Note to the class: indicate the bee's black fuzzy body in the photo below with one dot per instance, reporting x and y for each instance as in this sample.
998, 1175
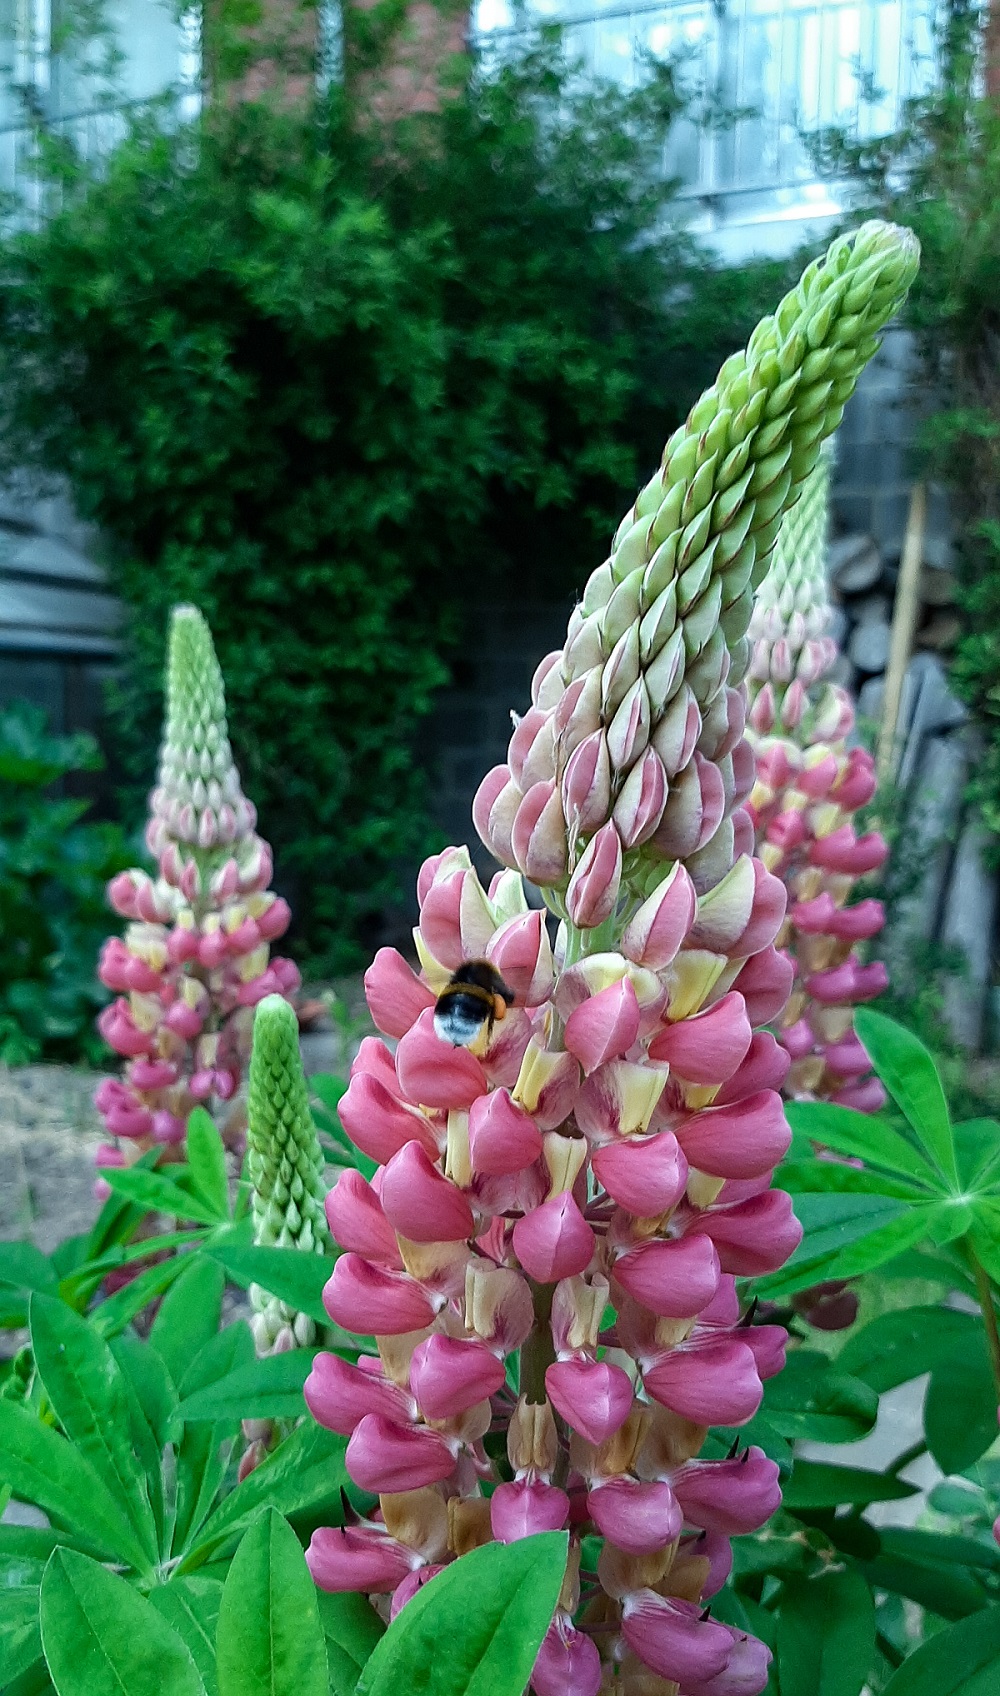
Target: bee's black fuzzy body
470, 1004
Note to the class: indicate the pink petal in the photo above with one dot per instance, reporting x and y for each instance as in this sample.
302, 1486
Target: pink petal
420, 1202
449, 1375
436, 1073
554, 1241
387, 1458
647, 1175
594, 1397
395, 995
674, 1279
712, 1383
370, 1301
708, 1047
605, 1026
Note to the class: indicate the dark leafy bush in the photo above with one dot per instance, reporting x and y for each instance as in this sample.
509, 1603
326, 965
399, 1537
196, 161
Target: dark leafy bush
321, 383
53, 917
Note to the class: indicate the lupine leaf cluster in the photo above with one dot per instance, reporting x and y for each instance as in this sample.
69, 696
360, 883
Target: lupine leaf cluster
54, 865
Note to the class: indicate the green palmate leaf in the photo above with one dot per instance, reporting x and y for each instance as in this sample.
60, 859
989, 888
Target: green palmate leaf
204, 1449
270, 1641
155, 1193
811, 1399
476, 1628
101, 1638
287, 1273
863, 1136
89, 1396
899, 1346
304, 1473
961, 1661
826, 1635
911, 1077
43, 1468
351, 1628
207, 1162
960, 1408
977, 1148
189, 1314
263, 1389
815, 1484
191, 1607
120, 1309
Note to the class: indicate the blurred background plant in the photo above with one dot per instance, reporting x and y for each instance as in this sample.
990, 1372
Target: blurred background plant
937, 173
306, 375
54, 864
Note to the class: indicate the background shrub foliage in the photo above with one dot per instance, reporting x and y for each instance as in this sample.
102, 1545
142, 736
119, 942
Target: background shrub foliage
938, 173
318, 380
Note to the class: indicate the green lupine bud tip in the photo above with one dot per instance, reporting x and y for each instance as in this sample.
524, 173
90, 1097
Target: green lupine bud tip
687, 558
196, 697
285, 1158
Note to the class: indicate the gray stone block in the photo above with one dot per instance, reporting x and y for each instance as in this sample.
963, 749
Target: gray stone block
969, 923
854, 564
869, 646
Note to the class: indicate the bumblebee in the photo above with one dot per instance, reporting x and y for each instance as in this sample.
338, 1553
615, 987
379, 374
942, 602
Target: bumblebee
471, 1003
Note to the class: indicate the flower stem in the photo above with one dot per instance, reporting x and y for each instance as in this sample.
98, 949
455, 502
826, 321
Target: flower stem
984, 1291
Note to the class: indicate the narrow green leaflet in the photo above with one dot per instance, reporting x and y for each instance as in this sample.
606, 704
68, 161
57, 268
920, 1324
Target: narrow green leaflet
270, 1641
816, 1484
985, 1235
960, 1408
950, 1591
905, 1344
151, 1382
264, 1389
305, 1472
204, 1450
20, 1643
864, 1136
120, 1309
101, 1638
351, 1628
189, 1314
977, 1146
826, 1635
42, 1467
157, 1194
89, 1397
813, 1176
866, 1250
78, 1285
961, 1661
25, 1267
191, 1607
911, 1077
287, 1273
207, 1162
811, 1399
476, 1628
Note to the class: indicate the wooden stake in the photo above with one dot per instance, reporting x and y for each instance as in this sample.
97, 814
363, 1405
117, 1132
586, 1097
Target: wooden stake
904, 625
